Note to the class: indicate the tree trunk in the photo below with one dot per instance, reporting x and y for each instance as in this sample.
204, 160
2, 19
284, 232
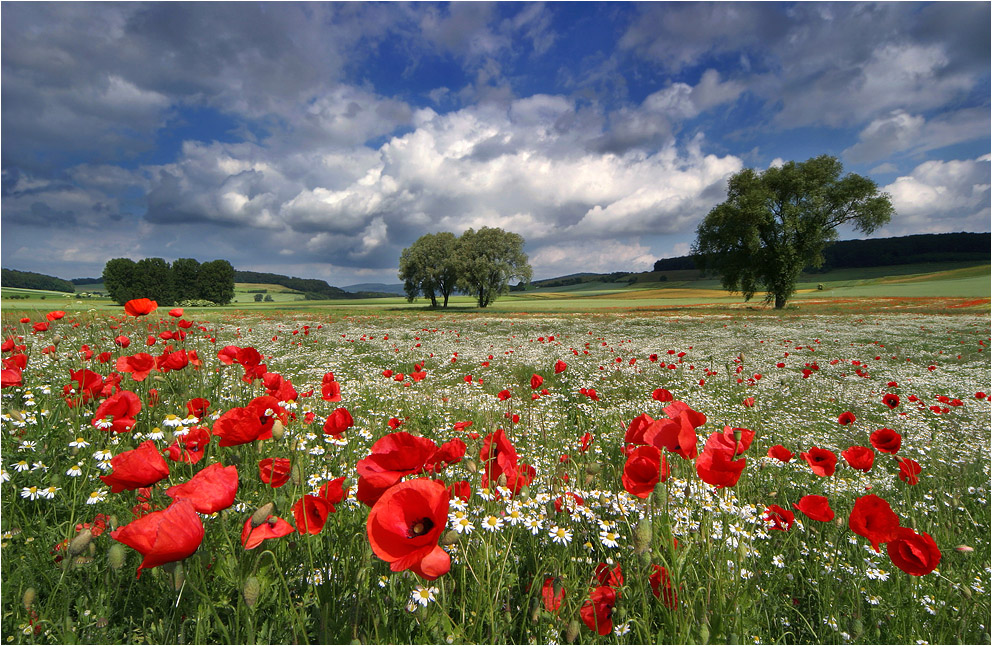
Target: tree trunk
446, 300
779, 301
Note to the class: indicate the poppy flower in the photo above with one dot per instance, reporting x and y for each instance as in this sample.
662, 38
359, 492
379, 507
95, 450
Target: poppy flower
393, 456
913, 553
252, 422
338, 422
859, 457
198, 407
661, 584
190, 447
645, 467
41, 326
140, 467
717, 467
909, 471
120, 409
873, 518
611, 577
536, 381
461, 489
846, 418
87, 385
272, 527
138, 365
780, 453
552, 594
405, 524
568, 502
330, 390
450, 452
677, 434
140, 307
55, 315
333, 491
815, 508
597, 611
886, 440
778, 518
662, 395
212, 489
311, 514
274, 472
737, 440
560, 367
890, 400
821, 461
637, 429
503, 395
169, 361
11, 377
499, 459
163, 536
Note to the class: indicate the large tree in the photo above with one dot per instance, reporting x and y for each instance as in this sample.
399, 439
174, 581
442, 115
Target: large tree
215, 282
153, 279
487, 260
776, 223
428, 267
185, 272
119, 280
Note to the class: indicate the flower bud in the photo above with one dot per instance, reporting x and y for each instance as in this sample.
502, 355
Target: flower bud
296, 475
704, 633
471, 466
178, 577
535, 610
78, 544
572, 631
502, 480
16, 414
278, 430
262, 514
251, 590
116, 556
450, 537
29, 596
593, 468
964, 549
642, 536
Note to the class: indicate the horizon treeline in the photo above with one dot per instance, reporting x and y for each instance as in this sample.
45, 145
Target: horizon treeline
185, 281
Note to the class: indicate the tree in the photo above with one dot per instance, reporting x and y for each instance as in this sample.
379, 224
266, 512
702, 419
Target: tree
776, 223
428, 267
118, 280
487, 260
153, 279
215, 282
184, 274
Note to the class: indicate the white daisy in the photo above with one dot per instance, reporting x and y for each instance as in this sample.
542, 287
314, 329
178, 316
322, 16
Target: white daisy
492, 523
30, 492
97, 496
560, 535
79, 443
423, 595
75, 470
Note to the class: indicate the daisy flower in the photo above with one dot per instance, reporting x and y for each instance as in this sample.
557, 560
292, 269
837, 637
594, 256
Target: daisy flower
423, 595
79, 443
609, 539
30, 492
492, 523
97, 496
560, 535
75, 470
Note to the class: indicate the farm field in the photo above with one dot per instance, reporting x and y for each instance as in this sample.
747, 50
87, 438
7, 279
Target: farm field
507, 465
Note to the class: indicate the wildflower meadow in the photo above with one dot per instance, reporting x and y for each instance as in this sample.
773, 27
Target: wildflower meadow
314, 477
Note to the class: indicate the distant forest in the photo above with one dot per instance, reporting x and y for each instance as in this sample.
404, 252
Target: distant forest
31, 280
881, 252
313, 288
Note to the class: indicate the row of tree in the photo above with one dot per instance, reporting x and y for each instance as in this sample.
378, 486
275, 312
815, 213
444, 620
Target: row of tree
184, 280
480, 263
32, 280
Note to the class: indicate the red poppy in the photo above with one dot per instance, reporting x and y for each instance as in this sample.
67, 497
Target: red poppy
41, 326
330, 390
552, 594
253, 422
120, 409
210, 490
585, 441
176, 312
139, 365
55, 315
274, 472
661, 584
909, 471
890, 400
536, 381
198, 407
448, 453
611, 577
338, 422
780, 453
190, 447
503, 395
405, 524
394, 456
873, 518
717, 467
846, 418
163, 536
333, 491
913, 553
499, 459
859, 457
140, 307
645, 468
886, 440
140, 467
778, 518
461, 489
737, 440
568, 502
311, 514
677, 433
637, 429
87, 385
272, 527
560, 366
280, 388
815, 508
597, 611
821, 461
10, 377
662, 395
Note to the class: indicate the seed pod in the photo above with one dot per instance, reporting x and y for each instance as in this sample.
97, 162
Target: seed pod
262, 514
535, 610
659, 493
589, 479
645, 558
704, 633
178, 577
450, 538
78, 544
502, 480
642, 536
29, 596
572, 631
471, 466
251, 590
593, 468
278, 430
16, 414
296, 475
116, 556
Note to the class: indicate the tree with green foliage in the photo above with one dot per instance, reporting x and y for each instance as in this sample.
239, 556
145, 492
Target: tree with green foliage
487, 260
185, 272
119, 280
776, 223
153, 276
215, 282
427, 267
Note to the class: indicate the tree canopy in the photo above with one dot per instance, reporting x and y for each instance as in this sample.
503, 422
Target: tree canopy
776, 223
154, 278
481, 263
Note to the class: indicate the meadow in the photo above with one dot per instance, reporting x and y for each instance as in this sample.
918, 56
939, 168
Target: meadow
496, 476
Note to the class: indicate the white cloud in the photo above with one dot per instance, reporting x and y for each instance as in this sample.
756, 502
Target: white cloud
942, 196
602, 256
900, 131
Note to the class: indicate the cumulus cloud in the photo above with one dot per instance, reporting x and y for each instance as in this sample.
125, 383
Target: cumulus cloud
942, 196
900, 131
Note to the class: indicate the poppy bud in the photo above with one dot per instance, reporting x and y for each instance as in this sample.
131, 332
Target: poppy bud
704, 633
278, 430
524, 494
965, 549
659, 493
178, 577
16, 414
262, 514
116, 556
251, 590
29, 597
535, 610
604, 500
593, 468
572, 631
78, 544
450, 538
738, 432
857, 627
471, 466
296, 475
502, 480
642, 536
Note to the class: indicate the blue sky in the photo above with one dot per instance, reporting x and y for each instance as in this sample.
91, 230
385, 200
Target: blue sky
319, 140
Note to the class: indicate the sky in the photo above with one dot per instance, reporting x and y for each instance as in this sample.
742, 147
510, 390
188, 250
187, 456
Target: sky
319, 140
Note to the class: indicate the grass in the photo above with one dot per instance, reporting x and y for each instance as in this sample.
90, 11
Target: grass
735, 579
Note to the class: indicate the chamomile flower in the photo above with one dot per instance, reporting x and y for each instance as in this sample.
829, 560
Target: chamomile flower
79, 443
96, 496
22, 466
560, 535
172, 421
492, 523
4, 476
463, 525
102, 455
609, 539
778, 560
31, 493
534, 524
156, 434
423, 595
513, 516
383, 580
48, 492
27, 445
75, 470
